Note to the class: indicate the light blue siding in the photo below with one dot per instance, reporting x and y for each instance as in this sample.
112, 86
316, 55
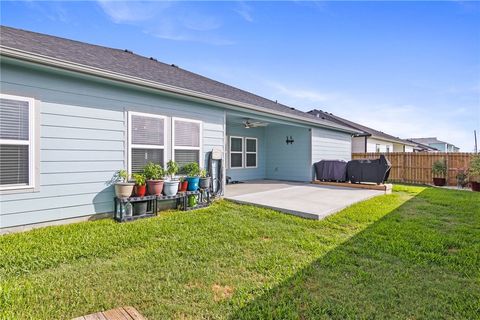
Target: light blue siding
83, 140
288, 161
242, 174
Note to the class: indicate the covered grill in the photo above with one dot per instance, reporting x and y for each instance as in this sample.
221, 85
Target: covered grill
369, 170
331, 170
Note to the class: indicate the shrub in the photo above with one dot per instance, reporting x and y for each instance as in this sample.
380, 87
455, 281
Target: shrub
153, 171
439, 168
172, 168
474, 170
139, 178
191, 169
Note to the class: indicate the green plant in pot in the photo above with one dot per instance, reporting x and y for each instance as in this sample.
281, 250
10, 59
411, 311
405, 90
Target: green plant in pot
439, 172
123, 188
183, 183
154, 174
170, 187
192, 170
140, 184
474, 172
462, 178
204, 179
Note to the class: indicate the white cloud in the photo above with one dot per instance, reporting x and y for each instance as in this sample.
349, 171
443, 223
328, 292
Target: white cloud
132, 11
167, 20
244, 11
291, 93
454, 125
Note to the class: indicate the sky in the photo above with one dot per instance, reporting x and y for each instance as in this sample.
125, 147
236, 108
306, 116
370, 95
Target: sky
411, 69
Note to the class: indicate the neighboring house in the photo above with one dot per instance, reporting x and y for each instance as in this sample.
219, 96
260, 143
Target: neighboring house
433, 142
369, 140
420, 147
72, 114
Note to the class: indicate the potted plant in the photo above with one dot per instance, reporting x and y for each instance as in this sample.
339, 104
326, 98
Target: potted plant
192, 170
183, 184
140, 184
439, 171
474, 172
123, 188
462, 178
154, 174
170, 187
204, 179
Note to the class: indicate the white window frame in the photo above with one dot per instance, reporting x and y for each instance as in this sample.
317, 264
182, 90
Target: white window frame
31, 143
200, 138
145, 146
250, 152
240, 152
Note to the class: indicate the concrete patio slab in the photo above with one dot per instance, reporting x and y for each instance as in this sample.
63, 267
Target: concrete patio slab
301, 199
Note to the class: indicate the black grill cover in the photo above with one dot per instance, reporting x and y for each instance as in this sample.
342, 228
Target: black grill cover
369, 170
331, 170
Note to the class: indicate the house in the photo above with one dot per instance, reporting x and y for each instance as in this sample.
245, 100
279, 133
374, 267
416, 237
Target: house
369, 140
72, 114
433, 142
420, 147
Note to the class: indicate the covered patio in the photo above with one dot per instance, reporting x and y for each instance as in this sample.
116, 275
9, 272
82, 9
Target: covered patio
301, 199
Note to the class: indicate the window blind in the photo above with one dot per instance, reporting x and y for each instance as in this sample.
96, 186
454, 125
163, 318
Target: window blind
148, 130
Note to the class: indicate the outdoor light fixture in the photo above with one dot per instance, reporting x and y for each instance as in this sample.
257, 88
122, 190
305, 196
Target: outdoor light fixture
289, 140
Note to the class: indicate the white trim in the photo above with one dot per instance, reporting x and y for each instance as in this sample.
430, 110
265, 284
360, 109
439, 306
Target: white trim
200, 139
228, 103
237, 152
250, 152
31, 143
131, 145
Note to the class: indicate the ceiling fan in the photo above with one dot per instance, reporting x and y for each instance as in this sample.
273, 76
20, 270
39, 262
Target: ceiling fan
249, 123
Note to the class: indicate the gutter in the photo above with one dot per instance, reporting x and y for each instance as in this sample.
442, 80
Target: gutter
111, 75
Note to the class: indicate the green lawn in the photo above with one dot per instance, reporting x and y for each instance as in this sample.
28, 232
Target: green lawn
414, 254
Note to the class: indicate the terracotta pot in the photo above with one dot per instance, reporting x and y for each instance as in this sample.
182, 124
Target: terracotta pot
182, 186
439, 182
475, 186
155, 187
124, 189
140, 190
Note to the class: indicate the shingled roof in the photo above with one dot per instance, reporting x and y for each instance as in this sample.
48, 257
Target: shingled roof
128, 63
366, 130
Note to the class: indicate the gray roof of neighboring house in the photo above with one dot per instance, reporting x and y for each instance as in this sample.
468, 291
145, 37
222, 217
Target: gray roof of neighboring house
423, 146
431, 140
130, 64
357, 126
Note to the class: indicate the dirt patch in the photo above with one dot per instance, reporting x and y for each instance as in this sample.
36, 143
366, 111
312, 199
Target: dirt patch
222, 292
265, 238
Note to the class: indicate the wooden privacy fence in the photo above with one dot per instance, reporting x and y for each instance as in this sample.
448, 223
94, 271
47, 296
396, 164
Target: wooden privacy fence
416, 167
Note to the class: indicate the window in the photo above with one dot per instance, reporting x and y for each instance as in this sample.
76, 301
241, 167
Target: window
186, 141
377, 148
388, 149
16, 142
146, 140
250, 152
236, 152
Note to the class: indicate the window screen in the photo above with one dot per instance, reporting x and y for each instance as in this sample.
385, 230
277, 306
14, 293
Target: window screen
14, 164
147, 130
140, 157
236, 152
186, 147
147, 134
183, 157
187, 134
15, 145
250, 152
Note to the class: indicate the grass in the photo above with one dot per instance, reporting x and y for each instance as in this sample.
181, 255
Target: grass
413, 254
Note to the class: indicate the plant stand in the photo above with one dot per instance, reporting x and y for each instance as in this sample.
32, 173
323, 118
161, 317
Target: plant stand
121, 207
203, 200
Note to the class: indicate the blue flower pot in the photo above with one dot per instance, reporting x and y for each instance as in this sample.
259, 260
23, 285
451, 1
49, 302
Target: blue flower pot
193, 183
